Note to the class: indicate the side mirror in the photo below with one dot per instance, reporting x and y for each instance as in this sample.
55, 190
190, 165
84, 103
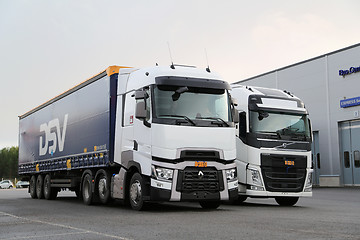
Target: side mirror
235, 115
141, 94
242, 125
234, 101
140, 110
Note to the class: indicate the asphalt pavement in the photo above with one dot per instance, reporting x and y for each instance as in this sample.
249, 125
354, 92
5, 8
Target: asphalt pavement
332, 213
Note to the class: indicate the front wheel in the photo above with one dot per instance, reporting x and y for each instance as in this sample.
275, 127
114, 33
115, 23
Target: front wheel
286, 201
136, 192
241, 199
210, 204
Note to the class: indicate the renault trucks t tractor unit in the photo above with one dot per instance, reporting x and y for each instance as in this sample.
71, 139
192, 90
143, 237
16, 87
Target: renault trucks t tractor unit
134, 134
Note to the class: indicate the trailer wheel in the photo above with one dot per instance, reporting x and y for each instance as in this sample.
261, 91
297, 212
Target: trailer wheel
286, 201
40, 186
136, 192
32, 186
87, 189
103, 186
49, 192
210, 204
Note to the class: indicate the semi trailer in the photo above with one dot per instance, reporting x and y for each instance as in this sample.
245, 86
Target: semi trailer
137, 135
273, 141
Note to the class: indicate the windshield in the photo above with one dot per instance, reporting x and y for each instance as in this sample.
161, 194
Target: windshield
192, 104
280, 125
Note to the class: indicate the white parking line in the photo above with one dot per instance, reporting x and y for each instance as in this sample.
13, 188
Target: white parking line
44, 236
79, 230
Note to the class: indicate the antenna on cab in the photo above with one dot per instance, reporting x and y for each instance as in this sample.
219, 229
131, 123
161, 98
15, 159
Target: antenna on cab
172, 63
207, 61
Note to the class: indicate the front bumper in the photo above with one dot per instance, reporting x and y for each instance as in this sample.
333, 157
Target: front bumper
188, 184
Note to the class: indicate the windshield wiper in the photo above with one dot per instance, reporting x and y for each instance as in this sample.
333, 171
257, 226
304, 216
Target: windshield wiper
179, 116
269, 132
215, 118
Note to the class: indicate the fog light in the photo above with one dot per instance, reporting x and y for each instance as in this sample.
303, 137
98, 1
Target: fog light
256, 188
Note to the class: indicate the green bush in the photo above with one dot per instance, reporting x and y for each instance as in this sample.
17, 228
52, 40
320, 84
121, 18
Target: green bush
9, 163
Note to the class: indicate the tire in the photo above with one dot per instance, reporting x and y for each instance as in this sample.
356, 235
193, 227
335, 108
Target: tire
286, 201
209, 204
49, 192
32, 186
87, 193
78, 193
241, 199
40, 186
103, 186
136, 189
10, 187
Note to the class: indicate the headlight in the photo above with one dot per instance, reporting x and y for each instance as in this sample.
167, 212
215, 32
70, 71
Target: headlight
230, 174
308, 185
255, 177
162, 173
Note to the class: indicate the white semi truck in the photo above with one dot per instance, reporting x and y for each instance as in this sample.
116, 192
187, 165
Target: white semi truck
273, 141
150, 134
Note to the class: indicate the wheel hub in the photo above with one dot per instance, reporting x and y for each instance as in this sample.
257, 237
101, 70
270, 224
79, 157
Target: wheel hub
135, 192
102, 187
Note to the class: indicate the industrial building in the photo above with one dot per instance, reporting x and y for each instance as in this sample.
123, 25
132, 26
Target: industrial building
329, 85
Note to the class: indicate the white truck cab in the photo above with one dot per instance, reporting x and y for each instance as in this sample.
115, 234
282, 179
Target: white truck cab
273, 141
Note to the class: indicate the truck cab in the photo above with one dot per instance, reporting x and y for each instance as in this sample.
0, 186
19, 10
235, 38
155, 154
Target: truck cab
174, 140
273, 141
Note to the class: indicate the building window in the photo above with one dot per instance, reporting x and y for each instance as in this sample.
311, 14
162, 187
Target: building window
357, 159
347, 159
318, 160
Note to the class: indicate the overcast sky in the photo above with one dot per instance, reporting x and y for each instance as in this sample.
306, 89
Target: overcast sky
47, 47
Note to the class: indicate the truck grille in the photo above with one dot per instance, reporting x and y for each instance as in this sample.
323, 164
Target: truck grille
193, 179
279, 177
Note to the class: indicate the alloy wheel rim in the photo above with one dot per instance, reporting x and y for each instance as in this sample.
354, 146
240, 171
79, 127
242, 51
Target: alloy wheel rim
135, 192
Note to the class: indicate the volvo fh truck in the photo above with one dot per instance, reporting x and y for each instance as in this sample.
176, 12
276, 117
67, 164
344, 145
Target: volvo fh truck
273, 141
137, 135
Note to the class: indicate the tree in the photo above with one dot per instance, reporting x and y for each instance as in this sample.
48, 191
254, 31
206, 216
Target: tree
9, 162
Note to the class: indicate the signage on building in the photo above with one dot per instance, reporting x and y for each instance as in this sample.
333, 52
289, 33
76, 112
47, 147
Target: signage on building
350, 102
349, 71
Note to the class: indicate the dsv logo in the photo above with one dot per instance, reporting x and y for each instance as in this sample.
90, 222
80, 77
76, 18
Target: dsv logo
52, 136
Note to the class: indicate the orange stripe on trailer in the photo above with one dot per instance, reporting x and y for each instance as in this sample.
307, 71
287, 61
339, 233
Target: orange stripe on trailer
114, 69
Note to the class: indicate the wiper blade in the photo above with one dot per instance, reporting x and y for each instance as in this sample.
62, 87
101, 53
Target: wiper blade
269, 132
217, 119
179, 116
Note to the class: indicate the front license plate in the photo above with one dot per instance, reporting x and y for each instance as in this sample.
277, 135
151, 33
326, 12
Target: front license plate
200, 164
289, 163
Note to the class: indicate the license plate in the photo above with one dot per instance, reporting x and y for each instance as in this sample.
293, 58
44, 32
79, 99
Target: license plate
200, 164
289, 163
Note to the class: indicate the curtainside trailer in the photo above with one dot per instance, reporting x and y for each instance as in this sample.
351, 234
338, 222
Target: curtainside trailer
139, 135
